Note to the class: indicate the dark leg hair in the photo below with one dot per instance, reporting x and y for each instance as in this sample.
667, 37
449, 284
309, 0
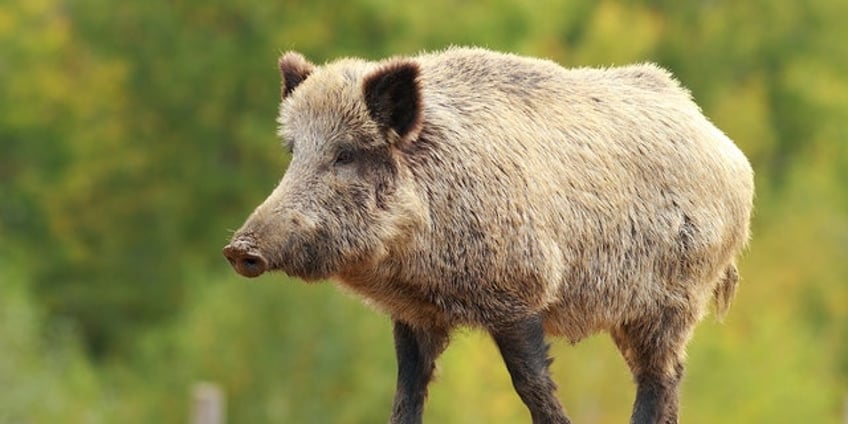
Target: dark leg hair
522, 345
654, 349
417, 350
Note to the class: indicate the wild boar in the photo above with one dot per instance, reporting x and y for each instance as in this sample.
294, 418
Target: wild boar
473, 188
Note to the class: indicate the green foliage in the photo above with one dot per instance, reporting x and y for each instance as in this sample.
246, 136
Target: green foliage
44, 375
271, 336
134, 136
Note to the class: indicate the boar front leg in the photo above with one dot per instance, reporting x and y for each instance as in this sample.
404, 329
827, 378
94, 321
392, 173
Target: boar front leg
522, 345
417, 350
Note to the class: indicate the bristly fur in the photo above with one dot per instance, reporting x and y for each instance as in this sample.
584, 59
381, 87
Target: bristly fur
294, 68
470, 187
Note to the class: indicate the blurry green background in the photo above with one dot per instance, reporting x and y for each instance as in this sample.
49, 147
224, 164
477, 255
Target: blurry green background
136, 135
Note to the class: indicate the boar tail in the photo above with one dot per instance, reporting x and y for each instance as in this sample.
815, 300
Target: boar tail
725, 290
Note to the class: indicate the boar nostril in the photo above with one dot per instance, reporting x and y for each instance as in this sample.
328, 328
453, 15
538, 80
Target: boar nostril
246, 263
251, 265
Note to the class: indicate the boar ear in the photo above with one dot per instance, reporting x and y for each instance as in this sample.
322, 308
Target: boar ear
393, 98
294, 69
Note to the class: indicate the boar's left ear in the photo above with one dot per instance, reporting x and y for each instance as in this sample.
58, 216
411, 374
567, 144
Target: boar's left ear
294, 68
393, 98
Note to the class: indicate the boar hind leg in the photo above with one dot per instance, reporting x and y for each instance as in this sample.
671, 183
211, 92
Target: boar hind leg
654, 350
522, 345
417, 350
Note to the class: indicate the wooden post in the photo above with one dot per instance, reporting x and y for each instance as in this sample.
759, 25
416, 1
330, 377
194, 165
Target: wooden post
845, 410
208, 404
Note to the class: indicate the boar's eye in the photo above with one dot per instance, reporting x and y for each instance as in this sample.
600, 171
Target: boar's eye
344, 157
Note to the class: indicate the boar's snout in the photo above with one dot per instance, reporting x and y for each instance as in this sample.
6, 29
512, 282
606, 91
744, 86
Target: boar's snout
245, 258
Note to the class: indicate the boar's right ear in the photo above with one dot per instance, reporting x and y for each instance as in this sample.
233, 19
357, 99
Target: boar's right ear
393, 97
294, 68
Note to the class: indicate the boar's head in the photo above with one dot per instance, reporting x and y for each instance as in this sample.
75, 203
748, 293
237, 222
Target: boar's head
347, 199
